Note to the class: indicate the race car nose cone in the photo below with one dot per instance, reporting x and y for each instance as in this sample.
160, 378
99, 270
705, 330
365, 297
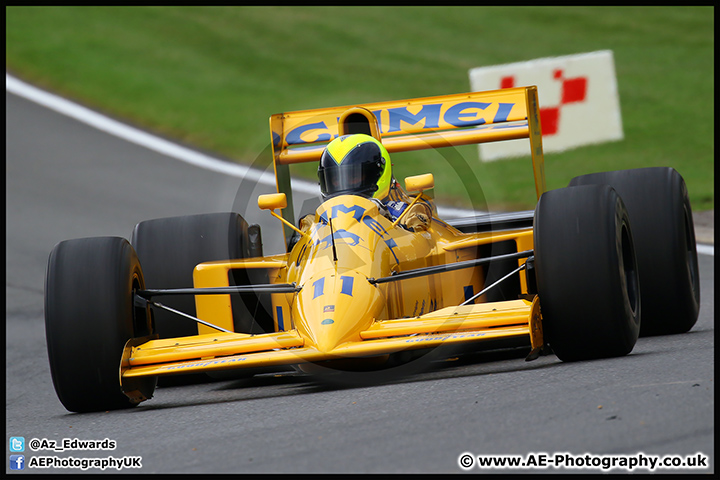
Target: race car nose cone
336, 307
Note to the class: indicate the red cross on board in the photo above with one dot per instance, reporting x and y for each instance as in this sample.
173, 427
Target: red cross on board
573, 90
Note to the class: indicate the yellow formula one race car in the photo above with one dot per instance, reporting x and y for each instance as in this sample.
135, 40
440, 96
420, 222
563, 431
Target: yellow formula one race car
360, 289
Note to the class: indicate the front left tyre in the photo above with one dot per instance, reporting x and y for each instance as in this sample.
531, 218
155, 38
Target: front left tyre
587, 273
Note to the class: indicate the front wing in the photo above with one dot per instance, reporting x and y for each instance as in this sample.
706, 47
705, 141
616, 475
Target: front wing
513, 319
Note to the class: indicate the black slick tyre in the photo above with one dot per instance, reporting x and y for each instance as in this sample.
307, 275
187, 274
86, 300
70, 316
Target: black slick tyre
89, 317
657, 202
586, 273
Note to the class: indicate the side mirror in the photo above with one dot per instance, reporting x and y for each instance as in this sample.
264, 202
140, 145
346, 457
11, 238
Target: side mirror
272, 201
418, 183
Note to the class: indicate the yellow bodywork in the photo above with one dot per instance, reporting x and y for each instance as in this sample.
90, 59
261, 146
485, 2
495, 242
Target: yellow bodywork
340, 311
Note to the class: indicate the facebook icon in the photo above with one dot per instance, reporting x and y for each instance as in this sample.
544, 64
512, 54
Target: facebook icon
17, 462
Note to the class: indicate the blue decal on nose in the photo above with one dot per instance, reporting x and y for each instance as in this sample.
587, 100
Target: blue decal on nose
319, 287
338, 235
356, 210
347, 285
327, 321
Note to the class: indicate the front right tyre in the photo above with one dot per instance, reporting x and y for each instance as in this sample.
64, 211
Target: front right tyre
90, 315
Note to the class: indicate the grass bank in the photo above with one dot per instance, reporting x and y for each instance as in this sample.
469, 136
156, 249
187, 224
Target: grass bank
211, 76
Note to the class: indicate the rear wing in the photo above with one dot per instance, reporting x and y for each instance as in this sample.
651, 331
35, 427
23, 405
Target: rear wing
413, 124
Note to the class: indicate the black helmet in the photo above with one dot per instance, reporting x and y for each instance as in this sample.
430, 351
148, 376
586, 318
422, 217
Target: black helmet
354, 164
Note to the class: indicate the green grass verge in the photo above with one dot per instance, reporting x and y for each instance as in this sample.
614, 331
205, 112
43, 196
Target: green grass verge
211, 76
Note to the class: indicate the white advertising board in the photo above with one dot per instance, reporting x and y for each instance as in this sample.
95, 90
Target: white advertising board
577, 94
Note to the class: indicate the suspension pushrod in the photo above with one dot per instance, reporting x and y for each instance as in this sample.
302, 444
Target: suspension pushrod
183, 314
493, 285
266, 288
419, 272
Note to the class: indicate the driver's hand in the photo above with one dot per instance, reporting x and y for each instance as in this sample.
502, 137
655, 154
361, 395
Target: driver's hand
417, 222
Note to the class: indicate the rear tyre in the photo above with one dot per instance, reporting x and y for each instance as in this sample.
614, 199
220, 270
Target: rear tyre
89, 317
659, 208
170, 248
586, 273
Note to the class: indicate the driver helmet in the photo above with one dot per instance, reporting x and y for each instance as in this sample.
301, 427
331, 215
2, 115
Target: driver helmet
356, 164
